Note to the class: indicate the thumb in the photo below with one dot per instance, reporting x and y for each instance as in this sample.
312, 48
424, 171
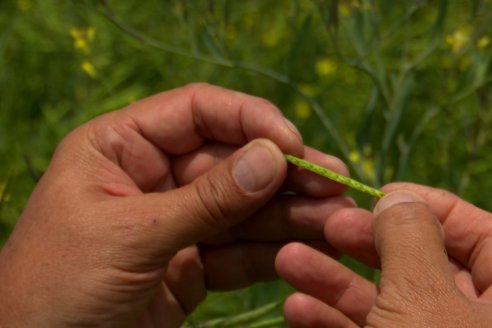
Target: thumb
410, 243
225, 195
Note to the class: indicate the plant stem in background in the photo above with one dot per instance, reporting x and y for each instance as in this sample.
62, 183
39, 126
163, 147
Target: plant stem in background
246, 319
232, 63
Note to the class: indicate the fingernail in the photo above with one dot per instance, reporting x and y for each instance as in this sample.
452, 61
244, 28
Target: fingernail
397, 197
255, 169
293, 129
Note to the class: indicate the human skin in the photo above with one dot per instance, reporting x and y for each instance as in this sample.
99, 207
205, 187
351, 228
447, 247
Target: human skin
419, 287
144, 209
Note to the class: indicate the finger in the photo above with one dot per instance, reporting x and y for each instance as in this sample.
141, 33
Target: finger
185, 278
164, 311
308, 183
468, 229
350, 230
302, 310
322, 277
463, 280
291, 218
188, 167
410, 243
117, 158
286, 218
138, 138
180, 120
232, 191
241, 264
234, 266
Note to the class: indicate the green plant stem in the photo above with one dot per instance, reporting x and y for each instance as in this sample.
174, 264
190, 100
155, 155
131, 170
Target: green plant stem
245, 319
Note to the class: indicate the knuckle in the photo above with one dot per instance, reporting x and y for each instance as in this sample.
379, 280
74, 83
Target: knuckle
412, 301
212, 200
264, 104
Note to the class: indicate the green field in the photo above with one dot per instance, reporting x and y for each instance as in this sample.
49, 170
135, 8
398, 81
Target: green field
400, 90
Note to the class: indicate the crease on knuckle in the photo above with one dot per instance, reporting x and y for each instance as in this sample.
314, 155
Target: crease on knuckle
211, 198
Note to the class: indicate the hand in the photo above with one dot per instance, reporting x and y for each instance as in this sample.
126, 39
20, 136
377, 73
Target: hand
109, 236
419, 286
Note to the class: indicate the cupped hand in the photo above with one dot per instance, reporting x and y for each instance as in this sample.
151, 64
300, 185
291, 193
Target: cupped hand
420, 285
143, 209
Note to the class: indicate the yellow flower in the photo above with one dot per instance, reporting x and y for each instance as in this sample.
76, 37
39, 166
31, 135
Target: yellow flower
82, 38
4, 197
91, 33
366, 162
325, 66
483, 42
344, 9
458, 39
302, 110
368, 168
89, 69
354, 156
270, 38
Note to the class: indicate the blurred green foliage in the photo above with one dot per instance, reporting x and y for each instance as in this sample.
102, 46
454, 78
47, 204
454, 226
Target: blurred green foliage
398, 89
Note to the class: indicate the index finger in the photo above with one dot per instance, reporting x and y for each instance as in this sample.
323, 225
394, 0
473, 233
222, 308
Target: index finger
182, 119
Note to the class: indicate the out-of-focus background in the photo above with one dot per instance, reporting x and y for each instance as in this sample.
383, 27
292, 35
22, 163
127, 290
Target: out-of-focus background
400, 90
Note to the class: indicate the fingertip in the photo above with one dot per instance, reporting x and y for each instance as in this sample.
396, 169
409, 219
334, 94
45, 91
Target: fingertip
278, 157
394, 186
259, 166
296, 306
295, 134
347, 223
287, 256
262, 119
350, 230
301, 310
395, 198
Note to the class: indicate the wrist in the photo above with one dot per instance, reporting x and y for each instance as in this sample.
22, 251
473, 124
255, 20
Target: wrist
20, 304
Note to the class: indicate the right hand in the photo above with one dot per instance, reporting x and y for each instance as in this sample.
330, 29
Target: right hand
420, 286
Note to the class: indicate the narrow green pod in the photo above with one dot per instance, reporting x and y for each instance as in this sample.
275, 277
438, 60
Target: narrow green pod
327, 173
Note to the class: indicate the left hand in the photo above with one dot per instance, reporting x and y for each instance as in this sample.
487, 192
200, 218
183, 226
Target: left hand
143, 209
420, 285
